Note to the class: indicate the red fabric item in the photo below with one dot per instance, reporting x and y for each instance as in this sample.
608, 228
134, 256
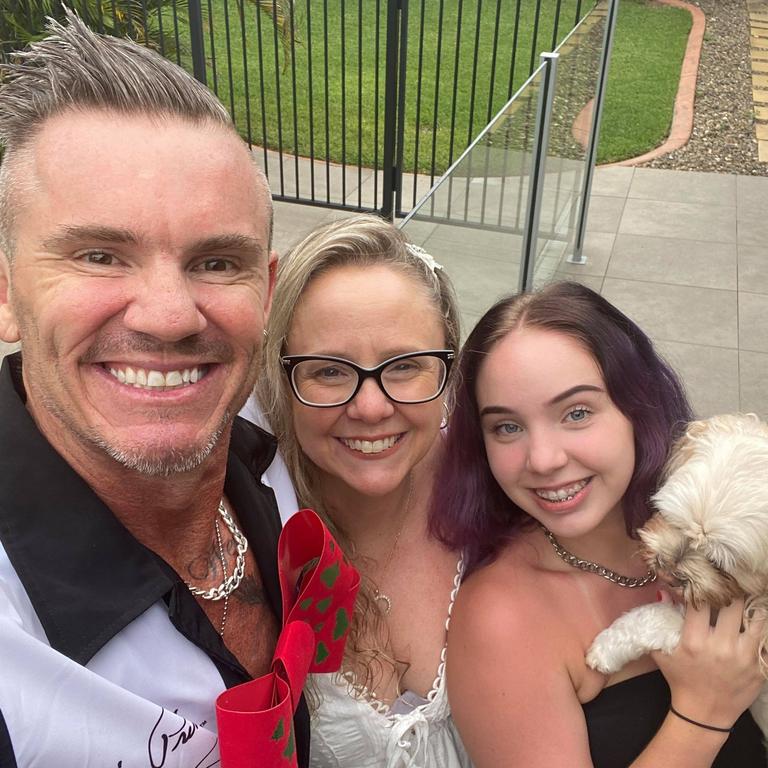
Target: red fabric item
255, 719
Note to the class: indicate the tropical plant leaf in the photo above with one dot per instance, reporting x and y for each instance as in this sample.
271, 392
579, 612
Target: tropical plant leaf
282, 13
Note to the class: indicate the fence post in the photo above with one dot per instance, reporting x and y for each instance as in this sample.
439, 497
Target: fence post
578, 256
196, 40
536, 181
401, 90
394, 9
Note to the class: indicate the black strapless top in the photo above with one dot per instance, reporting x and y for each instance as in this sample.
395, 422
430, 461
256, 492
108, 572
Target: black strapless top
624, 717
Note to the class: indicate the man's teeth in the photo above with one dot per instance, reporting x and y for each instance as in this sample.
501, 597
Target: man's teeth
148, 379
562, 494
371, 446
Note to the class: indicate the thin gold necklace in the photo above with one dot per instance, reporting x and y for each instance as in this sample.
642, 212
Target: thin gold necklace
383, 600
587, 565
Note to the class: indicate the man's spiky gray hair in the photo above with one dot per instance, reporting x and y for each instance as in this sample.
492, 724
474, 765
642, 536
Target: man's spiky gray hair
76, 68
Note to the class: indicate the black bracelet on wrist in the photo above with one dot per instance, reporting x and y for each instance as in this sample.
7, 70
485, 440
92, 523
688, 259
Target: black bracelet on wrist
696, 722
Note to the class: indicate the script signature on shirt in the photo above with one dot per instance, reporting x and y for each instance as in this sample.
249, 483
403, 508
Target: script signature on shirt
169, 735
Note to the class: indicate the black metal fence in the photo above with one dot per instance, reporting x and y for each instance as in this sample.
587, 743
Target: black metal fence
356, 104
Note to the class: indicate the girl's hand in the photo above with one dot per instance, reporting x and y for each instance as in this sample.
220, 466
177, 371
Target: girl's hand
714, 674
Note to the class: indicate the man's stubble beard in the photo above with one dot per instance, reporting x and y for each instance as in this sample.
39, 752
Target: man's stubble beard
172, 462
159, 461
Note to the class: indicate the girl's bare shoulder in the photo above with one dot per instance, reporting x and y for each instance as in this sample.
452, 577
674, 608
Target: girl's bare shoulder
513, 590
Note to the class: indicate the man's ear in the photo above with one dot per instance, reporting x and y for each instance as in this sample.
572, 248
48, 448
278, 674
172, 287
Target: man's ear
9, 328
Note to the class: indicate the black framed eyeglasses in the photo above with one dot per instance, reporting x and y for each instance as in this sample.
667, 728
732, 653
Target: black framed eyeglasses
325, 382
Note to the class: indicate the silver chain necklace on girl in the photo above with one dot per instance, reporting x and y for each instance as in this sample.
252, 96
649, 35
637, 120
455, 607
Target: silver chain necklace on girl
587, 565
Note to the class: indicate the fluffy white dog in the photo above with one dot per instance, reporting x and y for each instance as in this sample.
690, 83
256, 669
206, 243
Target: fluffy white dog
708, 538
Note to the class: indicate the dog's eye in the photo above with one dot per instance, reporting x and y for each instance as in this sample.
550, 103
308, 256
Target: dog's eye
677, 579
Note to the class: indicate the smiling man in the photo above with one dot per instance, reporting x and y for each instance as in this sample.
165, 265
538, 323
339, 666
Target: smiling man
138, 573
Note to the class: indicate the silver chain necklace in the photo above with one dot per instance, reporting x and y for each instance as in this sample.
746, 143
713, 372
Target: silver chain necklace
383, 600
224, 571
590, 567
231, 582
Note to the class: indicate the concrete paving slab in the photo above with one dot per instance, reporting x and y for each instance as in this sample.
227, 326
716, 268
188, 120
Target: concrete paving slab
762, 151
710, 375
696, 263
753, 270
761, 113
751, 188
612, 181
605, 213
759, 96
471, 243
752, 228
677, 312
751, 196
293, 222
418, 231
753, 373
688, 221
479, 282
753, 322
597, 248
759, 66
684, 187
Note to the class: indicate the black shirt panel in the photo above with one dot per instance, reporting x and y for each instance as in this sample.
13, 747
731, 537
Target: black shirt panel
255, 503
7, 759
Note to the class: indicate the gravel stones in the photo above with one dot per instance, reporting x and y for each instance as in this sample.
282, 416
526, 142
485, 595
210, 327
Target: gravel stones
723, 138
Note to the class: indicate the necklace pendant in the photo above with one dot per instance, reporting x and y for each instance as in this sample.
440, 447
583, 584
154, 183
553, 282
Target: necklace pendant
383, 601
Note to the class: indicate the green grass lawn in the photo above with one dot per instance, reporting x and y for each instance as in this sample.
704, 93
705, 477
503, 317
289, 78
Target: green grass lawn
642, 82
347, 86
331, 94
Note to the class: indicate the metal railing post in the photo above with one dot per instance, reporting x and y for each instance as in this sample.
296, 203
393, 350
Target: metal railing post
578, 256
390, 109
401, 89
196, 40
536, 182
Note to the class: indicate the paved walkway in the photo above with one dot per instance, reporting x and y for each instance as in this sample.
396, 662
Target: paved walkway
684, 254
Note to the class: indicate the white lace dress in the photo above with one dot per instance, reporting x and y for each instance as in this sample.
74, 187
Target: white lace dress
351, 731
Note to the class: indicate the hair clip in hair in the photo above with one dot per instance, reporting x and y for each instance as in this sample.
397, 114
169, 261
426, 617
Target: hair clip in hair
427, 258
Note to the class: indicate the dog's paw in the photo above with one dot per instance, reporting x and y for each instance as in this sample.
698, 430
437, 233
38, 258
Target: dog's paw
601, 656
651, 627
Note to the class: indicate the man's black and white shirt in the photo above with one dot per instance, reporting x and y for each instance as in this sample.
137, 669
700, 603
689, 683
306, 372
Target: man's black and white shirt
106, 659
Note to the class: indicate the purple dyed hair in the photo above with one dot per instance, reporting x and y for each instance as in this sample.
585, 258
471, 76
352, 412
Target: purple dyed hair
469, 511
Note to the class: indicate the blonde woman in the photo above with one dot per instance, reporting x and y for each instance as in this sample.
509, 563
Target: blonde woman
363, 332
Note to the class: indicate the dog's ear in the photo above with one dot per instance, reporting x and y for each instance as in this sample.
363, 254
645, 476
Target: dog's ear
663, 545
